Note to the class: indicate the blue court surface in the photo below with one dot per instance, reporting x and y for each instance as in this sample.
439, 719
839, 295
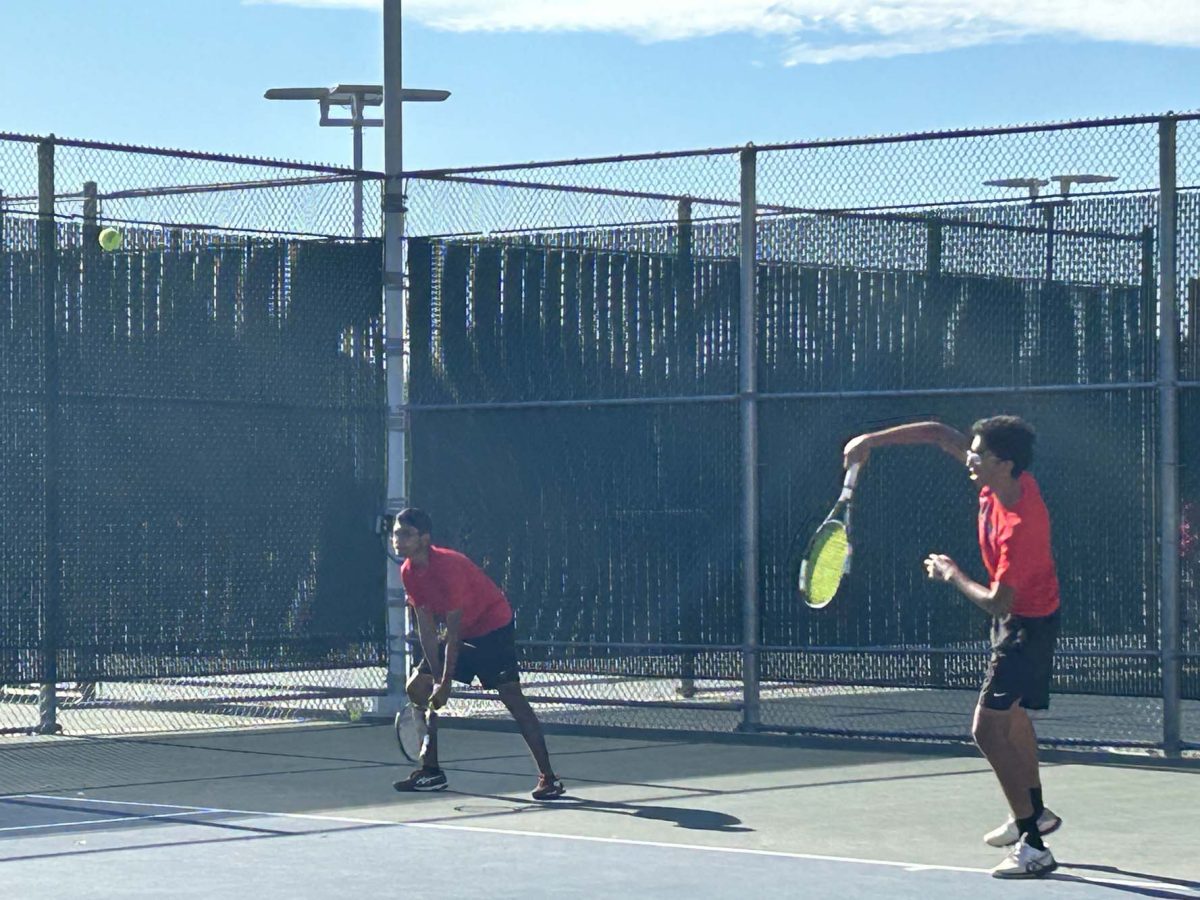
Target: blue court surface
310, 812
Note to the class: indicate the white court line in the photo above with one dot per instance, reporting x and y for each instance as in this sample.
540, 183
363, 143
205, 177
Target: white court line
97, 821
744, 851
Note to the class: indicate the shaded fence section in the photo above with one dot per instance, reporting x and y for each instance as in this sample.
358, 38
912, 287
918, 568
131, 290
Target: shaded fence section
577, 404
193, 452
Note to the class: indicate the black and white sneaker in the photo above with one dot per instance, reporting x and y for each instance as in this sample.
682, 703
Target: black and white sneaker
422, 780
1024, 861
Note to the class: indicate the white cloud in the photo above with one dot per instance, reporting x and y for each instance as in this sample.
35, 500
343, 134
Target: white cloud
820, 31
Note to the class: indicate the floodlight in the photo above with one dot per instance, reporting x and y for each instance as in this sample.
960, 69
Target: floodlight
1033, 185
355, 97
1065, 181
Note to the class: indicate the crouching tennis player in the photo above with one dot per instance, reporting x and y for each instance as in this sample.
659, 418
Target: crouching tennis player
445, 588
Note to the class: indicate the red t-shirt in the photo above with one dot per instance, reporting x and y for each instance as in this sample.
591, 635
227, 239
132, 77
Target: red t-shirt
1015, 544
450, 582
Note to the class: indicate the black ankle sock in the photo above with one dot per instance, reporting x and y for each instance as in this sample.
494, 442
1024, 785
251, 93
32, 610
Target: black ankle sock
1028, 828
1035, 794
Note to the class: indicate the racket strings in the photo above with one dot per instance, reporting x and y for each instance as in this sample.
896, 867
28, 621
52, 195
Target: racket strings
827, 563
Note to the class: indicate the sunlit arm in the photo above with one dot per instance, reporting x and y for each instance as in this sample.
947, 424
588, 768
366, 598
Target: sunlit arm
948, 439
996, 601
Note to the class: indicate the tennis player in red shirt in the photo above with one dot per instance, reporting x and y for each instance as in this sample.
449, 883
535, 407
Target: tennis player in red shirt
444, 587
1022, 598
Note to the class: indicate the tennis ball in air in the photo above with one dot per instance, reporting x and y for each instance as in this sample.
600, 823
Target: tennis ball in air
110, 239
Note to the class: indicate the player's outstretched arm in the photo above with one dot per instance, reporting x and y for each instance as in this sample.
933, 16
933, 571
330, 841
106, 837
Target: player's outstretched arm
950, 440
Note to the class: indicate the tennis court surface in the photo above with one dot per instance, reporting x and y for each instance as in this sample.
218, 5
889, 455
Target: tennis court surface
309, 811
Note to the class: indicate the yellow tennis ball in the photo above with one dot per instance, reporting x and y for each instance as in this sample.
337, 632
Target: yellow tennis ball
110, 239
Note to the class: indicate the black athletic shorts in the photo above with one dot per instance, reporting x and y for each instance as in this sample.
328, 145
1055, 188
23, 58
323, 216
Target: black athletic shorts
1022, 658
491, 657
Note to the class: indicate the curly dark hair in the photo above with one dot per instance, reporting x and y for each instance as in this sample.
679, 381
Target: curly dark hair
1008, 437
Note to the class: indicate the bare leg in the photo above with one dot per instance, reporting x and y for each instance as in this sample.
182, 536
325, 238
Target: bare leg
1024, 742
1007, 741
527, 721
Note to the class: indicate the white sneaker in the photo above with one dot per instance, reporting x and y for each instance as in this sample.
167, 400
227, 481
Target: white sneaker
1007, 834
1024, 861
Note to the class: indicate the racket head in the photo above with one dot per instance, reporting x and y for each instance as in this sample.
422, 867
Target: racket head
411, 730
822, 569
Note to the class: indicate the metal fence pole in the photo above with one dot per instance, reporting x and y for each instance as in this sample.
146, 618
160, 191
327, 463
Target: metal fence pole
394, 341
1048, 216
51, 598
684, 286
933, 247
91, 214
1168, 411
357, 186
88, 262
748, 407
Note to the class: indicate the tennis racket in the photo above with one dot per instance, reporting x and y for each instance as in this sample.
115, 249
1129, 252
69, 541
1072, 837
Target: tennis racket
411, 731
827, 558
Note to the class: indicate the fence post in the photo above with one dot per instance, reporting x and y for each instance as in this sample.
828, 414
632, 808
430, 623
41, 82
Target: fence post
748, 408
394, 344
933, 247
52, 559
684, 282
91, 214
1048, 216
1168, 411
88, 259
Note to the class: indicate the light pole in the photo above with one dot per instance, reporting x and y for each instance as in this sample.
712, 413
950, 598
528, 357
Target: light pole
1034, 186
356, 98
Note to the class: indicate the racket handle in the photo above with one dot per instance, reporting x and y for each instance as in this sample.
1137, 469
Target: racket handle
847, 493
849, 482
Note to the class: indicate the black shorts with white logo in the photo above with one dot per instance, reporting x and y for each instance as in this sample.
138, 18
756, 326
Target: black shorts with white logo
1021, 663
491, 657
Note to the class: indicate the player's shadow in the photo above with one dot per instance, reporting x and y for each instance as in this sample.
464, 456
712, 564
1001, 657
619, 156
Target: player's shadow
1144, 890
682, 817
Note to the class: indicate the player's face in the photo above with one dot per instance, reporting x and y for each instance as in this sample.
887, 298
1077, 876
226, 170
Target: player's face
406, 540
982, 463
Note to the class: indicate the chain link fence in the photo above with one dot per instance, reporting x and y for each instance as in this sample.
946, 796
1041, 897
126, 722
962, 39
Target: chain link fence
629, 380
192, 435
632, 435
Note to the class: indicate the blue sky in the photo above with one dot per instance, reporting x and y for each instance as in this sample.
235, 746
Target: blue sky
551, 79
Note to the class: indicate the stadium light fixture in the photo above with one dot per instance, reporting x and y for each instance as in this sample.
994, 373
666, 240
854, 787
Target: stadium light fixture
356, 98
1033, 185
1065, 181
